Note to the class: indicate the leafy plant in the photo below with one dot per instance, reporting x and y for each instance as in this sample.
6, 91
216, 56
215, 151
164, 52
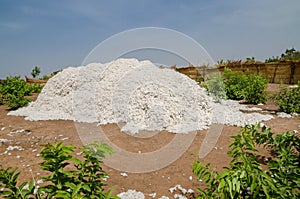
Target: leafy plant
1, 99
248, 87
69, 177
13, 85
34, 88
215, 86
55, 72
250, 59
291, 55
10, 189
288, 99
35, 72
14, 89
245, 178
273, 59
16, 101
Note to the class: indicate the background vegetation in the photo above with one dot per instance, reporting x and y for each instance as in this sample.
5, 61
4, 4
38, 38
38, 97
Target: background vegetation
13, 92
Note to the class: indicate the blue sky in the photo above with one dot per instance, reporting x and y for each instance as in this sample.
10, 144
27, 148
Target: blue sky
59, 33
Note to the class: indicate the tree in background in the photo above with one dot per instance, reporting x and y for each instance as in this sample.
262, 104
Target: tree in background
35, 72
291, 54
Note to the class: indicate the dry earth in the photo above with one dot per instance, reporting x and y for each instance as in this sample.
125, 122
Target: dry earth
179, 172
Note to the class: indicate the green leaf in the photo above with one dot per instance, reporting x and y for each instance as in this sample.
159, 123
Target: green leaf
62, 194
221, 185
86, 187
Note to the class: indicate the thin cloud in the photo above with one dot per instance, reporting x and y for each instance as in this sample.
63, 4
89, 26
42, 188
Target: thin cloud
12, 26
261, 14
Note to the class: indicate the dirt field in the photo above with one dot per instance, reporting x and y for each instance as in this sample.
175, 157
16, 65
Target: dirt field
41, 132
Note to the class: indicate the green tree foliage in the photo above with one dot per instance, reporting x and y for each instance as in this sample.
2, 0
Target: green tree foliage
291, 55
35, 72
245, 177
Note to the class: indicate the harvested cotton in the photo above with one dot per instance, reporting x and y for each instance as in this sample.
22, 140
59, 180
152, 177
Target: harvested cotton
137, 93
131, 194
228, 112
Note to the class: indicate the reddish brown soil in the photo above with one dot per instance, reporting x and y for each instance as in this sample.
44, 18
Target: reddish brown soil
159, 181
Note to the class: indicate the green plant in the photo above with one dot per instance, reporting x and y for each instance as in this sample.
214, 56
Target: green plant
291, 55
45, 77
34, 88
1, 99
35, 71
13, 91
16, 101
248, 87
250, 59
69, 177
10, 189
288, 99
273, 59
215, 86
245, 178
13, 85
55, 72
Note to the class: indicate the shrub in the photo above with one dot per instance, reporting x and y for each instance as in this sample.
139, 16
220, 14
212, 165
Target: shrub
85, 180
34, 88
215, 86
288, 99
13, 91
245, 178
1, 99
273, 59
13, 85
16, 101
250, 59
291, 55
248, 87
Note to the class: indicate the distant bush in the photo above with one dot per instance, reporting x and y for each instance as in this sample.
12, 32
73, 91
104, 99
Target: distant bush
13, 85
288, 99
248, 87
291, 55
273, 59
14, 89
45, 77
34, 88
250, 59
16, 101
215, 87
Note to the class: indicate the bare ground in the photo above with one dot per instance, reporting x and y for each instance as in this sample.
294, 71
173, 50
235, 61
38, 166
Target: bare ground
39, 133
